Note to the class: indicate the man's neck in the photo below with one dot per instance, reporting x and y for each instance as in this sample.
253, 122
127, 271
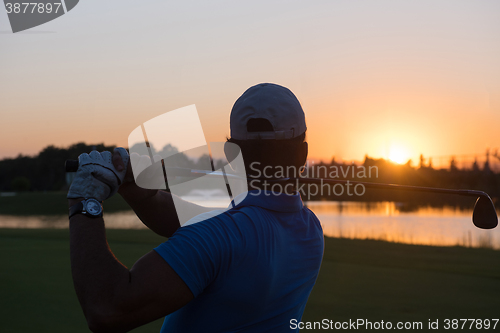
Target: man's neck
272, 185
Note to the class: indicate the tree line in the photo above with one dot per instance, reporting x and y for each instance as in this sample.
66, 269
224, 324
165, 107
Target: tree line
476, 178
42, 172
45, 172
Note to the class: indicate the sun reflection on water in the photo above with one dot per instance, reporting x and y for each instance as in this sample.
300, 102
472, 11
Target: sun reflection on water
388, 221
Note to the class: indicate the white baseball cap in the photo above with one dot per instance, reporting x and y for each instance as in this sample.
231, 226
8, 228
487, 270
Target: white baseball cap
272, 102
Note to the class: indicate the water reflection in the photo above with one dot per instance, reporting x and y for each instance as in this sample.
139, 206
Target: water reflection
121, 220
387, 221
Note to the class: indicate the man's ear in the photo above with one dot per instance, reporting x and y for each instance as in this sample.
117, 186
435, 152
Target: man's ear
303, 151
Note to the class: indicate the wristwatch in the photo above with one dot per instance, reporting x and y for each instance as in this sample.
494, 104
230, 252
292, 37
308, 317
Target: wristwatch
89, 207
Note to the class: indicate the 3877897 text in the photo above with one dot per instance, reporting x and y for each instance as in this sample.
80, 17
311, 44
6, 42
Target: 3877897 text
464, 324
32, 7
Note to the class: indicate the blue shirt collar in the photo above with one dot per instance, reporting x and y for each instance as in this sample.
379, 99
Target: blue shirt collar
279, 202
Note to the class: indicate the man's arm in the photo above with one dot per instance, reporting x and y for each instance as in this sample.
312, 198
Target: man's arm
154, 208
113, 298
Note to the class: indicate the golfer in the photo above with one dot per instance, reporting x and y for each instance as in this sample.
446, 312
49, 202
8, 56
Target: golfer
249, 269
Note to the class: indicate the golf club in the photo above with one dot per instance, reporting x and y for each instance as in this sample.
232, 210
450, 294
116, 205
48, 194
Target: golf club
484, 215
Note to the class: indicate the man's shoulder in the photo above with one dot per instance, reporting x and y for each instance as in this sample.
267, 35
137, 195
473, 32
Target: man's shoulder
310, 213
206, 216
217, 216
249, 213
215, 220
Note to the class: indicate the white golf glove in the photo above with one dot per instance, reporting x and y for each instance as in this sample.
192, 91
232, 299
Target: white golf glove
96, 176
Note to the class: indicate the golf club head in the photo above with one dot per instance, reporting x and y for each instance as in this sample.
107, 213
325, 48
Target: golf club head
484, 215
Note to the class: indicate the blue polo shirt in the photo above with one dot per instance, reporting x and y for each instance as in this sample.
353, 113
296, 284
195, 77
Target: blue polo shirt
251, 268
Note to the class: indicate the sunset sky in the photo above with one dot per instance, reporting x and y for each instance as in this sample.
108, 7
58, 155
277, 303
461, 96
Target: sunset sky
383, 78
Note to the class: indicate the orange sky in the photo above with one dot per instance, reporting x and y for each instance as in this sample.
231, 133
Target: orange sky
373, 77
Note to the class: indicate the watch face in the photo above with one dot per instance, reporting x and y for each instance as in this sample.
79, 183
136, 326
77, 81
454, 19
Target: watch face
93, 207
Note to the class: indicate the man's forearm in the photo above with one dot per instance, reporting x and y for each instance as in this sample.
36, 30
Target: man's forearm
96, 272
154, 208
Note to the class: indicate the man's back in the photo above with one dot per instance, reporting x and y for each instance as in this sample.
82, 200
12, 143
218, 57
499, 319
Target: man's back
251, 269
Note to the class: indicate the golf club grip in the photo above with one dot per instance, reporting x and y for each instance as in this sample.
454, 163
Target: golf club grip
71, 165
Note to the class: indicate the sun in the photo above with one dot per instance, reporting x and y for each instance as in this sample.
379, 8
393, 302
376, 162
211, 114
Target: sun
398, 154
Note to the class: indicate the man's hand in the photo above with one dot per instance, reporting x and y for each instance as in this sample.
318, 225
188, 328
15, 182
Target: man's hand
96, 176
121, 164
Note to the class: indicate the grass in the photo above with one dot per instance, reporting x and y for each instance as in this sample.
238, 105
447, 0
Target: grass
397, 282
359, 279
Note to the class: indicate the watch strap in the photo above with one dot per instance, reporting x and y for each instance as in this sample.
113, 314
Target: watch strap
76, 209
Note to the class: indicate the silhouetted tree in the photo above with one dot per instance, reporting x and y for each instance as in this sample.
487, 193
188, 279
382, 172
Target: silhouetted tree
453, 165
20, 184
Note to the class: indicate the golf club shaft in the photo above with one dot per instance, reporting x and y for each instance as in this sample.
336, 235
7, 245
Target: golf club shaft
72, 166
396, 187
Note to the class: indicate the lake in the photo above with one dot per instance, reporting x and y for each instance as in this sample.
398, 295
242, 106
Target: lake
447, 226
